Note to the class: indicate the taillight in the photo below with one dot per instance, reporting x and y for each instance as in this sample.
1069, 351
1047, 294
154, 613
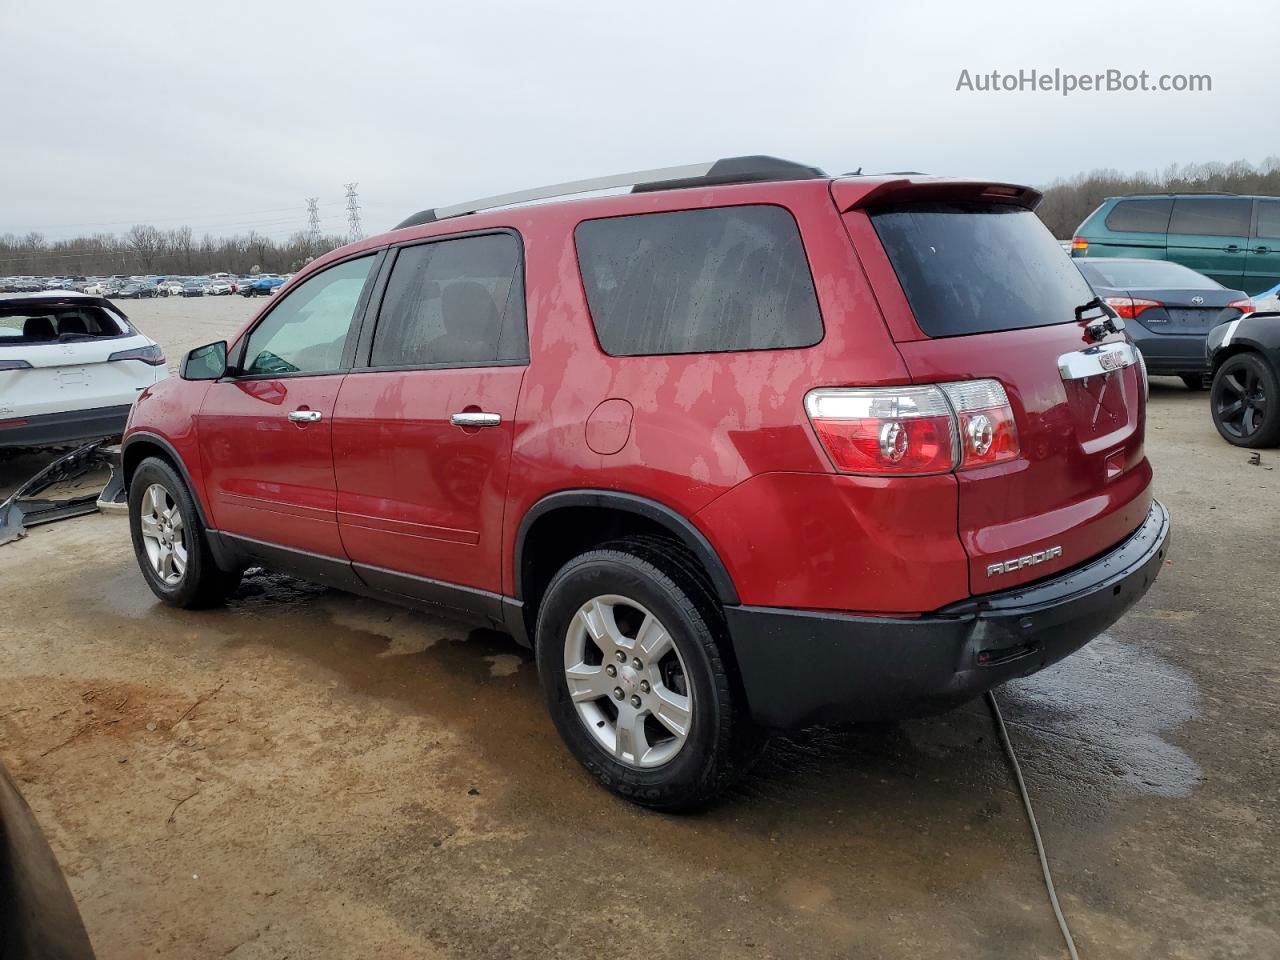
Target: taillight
1130, 307
1079, 245
894, 430
152, 355
913, 431
1244, 306
987, 431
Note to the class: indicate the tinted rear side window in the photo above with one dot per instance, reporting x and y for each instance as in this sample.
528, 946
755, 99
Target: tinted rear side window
1211, 216
978, 268
453, 301
1269, 218
698, 281
1140, 216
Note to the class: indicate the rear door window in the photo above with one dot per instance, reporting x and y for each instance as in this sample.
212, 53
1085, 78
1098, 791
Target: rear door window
979, 267
457, 302
698, 281
1140, 216
1269, 219
1211, 216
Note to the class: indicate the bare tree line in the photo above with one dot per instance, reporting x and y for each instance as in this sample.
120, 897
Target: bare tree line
148, 250
145, 249
1067, 202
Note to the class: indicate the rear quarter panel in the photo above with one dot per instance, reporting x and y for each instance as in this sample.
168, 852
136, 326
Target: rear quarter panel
702, 423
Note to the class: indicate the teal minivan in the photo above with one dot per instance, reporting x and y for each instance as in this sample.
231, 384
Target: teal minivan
1233, 239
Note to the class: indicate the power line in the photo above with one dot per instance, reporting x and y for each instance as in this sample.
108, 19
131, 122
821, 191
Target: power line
188, 218
353, 213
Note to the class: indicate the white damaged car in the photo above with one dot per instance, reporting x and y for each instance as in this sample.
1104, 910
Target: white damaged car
71, 366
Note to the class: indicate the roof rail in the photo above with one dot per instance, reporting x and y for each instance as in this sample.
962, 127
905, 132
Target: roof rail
755, 169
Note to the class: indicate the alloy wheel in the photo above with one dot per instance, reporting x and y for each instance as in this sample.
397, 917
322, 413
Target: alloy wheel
163, 534
1241, 402
628, 681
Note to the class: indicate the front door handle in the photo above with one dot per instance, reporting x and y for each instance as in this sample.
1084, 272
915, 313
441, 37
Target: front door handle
476, 419
1261, 249
305, 416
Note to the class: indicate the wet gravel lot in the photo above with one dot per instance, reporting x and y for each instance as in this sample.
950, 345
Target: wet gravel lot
310, 774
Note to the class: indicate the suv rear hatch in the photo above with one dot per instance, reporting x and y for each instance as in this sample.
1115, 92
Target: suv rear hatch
973, 286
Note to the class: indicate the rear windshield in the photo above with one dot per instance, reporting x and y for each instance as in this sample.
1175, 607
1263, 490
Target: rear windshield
54, 324
979, 267
1144, 275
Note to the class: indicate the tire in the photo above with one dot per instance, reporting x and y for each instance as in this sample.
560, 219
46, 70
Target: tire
618, 587
1195, 381
194, 582
1245, 401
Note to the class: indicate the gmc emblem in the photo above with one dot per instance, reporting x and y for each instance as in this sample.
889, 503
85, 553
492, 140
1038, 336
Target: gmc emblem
1030, 560
1110, 361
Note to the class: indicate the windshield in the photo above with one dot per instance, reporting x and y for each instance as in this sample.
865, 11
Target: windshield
979, 267
1145, 274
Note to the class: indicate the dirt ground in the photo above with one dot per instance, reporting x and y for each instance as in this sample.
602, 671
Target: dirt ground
309, 774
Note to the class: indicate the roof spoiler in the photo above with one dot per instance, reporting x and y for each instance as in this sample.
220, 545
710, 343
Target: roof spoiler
856, 194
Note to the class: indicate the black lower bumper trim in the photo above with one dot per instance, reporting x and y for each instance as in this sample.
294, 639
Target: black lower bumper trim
55, 428
801, 667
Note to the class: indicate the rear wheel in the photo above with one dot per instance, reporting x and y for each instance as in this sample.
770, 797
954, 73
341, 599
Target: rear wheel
169, 540
631, 662
1245, 401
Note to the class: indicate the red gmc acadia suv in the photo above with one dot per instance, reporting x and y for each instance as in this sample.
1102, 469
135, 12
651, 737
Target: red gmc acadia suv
745, 448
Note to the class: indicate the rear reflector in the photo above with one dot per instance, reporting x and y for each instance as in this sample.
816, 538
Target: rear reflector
1245, 306
914, 430
1130, 307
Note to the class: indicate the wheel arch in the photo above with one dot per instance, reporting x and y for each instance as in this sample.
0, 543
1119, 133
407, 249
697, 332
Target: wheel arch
141, 445
561, 524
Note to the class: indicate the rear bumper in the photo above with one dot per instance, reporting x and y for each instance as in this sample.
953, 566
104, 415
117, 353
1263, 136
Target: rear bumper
1170, 354
54, 428
801, 667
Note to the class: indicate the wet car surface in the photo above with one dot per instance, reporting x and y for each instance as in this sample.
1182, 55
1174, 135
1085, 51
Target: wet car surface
307, 773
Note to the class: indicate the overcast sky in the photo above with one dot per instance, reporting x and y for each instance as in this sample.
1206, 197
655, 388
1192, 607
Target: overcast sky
226, 116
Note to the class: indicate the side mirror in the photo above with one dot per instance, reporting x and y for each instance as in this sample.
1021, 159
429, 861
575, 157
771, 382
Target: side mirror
205, 363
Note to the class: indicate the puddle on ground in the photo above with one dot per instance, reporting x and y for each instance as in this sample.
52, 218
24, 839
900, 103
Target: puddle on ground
1090, 728
1108, 708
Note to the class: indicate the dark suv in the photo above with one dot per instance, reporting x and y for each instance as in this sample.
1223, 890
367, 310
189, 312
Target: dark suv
746, 448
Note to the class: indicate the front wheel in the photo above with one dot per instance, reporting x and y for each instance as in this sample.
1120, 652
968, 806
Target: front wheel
169, 540
1245, 401
632, 662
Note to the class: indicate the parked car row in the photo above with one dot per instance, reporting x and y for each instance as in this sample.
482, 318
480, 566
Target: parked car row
140, 287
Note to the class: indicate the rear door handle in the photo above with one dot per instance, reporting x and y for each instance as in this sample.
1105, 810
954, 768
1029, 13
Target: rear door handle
1232, 248
476, 419
305, 416
1261, 249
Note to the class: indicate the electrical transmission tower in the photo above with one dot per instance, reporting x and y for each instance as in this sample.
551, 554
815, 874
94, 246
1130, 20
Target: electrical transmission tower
313, 222
353, 213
